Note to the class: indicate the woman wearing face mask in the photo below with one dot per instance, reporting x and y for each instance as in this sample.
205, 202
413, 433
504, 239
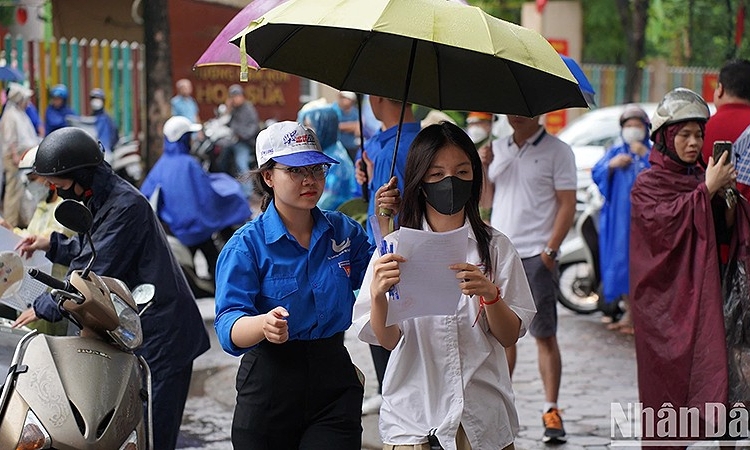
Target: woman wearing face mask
461, 357
106, 130
614, 175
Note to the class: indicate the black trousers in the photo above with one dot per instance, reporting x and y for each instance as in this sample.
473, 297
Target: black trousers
298, 395
168, 404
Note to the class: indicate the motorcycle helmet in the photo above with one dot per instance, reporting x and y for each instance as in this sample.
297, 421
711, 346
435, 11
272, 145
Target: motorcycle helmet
97, 93
634, 111
28, 158
679, 105
176, 126
59, 90
65, 150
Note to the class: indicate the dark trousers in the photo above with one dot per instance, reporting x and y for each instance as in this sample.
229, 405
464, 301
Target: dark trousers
168, 403
380, 358
210, 252
298, 395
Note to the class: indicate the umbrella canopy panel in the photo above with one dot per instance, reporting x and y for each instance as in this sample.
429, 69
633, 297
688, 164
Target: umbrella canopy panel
464, 58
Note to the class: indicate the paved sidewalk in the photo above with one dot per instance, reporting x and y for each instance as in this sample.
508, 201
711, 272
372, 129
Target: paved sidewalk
598, 369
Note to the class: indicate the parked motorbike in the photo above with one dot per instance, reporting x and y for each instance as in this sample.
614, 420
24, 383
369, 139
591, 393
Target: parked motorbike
79, 392
125, 157
216, 137
200, 285
580, 275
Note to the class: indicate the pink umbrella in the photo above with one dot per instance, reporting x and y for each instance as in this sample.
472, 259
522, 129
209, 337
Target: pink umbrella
222, 52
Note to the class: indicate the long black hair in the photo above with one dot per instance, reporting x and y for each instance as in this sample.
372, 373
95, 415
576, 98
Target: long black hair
421, 154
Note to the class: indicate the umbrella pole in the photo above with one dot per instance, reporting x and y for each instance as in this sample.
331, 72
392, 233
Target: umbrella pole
403, 105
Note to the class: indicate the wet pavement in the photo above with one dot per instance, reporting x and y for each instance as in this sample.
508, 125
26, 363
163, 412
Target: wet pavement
598, 369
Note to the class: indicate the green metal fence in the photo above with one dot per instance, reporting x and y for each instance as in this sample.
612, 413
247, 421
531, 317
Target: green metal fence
116, 67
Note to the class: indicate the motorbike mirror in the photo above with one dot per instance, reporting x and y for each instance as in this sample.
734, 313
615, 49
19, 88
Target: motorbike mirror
74, 216
77, 217
11, 273
143, 293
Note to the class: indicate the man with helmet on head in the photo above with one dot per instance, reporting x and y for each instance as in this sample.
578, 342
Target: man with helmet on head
132, 247
57, 110
614, 175
675, 290
193, 203
106, 130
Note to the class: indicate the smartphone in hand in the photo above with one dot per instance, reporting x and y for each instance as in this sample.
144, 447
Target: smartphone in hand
721, 147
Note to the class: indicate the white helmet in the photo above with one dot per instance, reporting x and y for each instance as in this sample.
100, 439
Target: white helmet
679, 105
176, 126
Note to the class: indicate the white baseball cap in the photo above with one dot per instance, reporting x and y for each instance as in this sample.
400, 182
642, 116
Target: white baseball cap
291, 144
176, 126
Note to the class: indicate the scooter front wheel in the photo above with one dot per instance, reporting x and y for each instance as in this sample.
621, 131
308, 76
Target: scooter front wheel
579, 290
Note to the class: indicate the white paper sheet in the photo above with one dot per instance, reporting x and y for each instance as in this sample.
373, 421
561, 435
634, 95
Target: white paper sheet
30, 288
428, 287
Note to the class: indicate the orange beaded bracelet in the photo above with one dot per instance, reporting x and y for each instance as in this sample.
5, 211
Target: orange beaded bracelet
483, 302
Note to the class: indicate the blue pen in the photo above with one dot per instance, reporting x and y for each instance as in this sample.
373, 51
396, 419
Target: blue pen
393, 292
394, 289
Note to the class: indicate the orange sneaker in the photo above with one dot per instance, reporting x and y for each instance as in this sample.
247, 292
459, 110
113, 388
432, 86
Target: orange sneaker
554, 433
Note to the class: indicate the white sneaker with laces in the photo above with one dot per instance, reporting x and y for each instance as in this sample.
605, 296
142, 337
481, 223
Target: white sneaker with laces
372, 405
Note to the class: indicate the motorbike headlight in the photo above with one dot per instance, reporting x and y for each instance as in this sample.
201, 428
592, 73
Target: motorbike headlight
129, 334
33, 435
131, 443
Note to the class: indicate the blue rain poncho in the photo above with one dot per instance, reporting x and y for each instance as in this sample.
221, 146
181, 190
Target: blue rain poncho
194, 203
614, 222
340, 182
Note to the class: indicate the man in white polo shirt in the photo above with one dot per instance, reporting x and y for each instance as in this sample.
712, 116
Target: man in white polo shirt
534, 178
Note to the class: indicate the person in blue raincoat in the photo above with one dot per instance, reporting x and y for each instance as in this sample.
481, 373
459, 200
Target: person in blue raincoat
57, 110
131, 246
193, 203
340, 183
106, 130
614, 175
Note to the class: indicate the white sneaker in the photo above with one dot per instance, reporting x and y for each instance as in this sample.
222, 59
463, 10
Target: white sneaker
372, 405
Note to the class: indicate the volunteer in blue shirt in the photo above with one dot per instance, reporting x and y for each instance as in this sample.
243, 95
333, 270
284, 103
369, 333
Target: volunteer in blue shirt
378, 154
284, 298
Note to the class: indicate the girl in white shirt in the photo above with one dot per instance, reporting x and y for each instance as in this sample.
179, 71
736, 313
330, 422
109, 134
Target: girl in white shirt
447, 379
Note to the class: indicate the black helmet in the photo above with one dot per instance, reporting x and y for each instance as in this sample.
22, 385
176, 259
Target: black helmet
65, 150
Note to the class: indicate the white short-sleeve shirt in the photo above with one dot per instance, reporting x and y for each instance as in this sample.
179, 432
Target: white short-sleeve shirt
444, 372
526, 179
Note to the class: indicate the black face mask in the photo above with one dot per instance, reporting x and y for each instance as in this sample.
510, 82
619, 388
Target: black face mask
69, 193
449, 195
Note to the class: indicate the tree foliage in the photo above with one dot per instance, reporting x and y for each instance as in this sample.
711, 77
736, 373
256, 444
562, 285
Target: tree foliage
604, 38
684, 32
694, 32
7, 15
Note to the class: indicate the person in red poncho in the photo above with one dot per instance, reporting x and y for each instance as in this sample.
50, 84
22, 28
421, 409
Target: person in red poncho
677, 208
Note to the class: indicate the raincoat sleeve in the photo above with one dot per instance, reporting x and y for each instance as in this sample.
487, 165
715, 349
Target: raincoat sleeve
601, 173
113, 241
63, 249
46, 308
125, 225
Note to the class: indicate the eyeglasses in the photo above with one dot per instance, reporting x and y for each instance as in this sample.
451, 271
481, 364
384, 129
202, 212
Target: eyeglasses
298, 174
